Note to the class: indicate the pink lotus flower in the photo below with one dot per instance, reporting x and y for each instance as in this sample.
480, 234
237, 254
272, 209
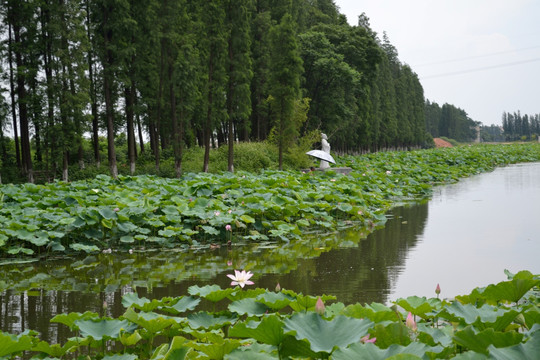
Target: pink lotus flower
411, 324
228, 227
216, 213
366, 339
241, 278
438, 290
319, 307
278, 288
388, 172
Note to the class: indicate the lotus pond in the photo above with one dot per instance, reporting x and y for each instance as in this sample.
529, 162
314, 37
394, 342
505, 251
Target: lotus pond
169, 237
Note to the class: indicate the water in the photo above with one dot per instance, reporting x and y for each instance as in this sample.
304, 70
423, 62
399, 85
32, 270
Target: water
475, 230
464, 237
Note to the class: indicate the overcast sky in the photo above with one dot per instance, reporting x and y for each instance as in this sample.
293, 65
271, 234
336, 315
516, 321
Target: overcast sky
482, 56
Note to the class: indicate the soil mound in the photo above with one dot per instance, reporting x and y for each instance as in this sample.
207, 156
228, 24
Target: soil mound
441, 143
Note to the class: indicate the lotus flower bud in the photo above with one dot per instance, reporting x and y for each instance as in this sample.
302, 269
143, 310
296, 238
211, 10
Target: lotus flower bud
411, 324
319, 307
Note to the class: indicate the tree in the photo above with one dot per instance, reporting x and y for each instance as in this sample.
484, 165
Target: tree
215, 48
239, 73
286, 70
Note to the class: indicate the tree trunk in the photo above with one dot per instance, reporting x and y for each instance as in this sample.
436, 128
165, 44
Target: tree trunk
132, 150
107, 79
13, 103
208, 122
23, 111
93, 100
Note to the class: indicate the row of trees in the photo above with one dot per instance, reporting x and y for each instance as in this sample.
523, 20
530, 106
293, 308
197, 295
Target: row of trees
185, 73
520, 127
451, 122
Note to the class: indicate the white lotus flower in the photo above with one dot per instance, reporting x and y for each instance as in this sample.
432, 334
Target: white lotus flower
241, 278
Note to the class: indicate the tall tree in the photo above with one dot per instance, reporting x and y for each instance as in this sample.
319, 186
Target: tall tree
215, 46
286, 70
239, 71
20, 15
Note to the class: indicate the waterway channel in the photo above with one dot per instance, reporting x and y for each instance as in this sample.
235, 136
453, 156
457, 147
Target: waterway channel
465, 236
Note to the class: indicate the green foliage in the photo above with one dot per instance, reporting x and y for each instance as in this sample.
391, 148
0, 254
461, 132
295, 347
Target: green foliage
140, 212
283, 330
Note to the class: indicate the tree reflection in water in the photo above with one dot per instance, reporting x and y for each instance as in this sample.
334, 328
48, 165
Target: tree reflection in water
363, 271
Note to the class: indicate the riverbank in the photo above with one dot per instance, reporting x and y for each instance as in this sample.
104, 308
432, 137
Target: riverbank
142, 212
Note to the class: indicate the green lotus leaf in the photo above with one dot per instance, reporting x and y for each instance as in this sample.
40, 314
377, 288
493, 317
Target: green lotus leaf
470, 314
210, 230
253, 351
149, 321
248, 306
120, 357
306, 302
435, 336
358, 351
104, 328
217, 351
391, 333
470, 355
128, 339
3, 239
418, 305
70, 319
18, 250
207, 320
480, 341
107, 213
55, 350
213, 293
375, 312
184, 304
267, 331
526, 351
12, 344
274, 301
532, 316
177, 350
324, 335
84, 247
512, 290
133, 299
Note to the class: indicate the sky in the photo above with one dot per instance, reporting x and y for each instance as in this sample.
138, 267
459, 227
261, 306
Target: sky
482, 56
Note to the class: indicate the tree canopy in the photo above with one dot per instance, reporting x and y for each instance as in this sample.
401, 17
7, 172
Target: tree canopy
173, 74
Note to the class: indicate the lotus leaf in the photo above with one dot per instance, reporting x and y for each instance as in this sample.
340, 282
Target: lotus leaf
13, 344
253, 352
248, 306
103, 329
208, 321
326, 335
267, 331
120, 357
217, 351
371, 352
275, 301
213, 293
150, 322
480, 341
71, 318
526, 351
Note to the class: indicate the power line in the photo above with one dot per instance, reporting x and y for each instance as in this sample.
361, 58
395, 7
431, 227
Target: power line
480, 69
476, 56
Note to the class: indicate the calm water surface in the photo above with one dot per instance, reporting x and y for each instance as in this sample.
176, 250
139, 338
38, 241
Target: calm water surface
464, 237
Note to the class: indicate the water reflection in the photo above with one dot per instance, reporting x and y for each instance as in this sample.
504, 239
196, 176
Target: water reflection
464, 237
348, 265
476, 229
